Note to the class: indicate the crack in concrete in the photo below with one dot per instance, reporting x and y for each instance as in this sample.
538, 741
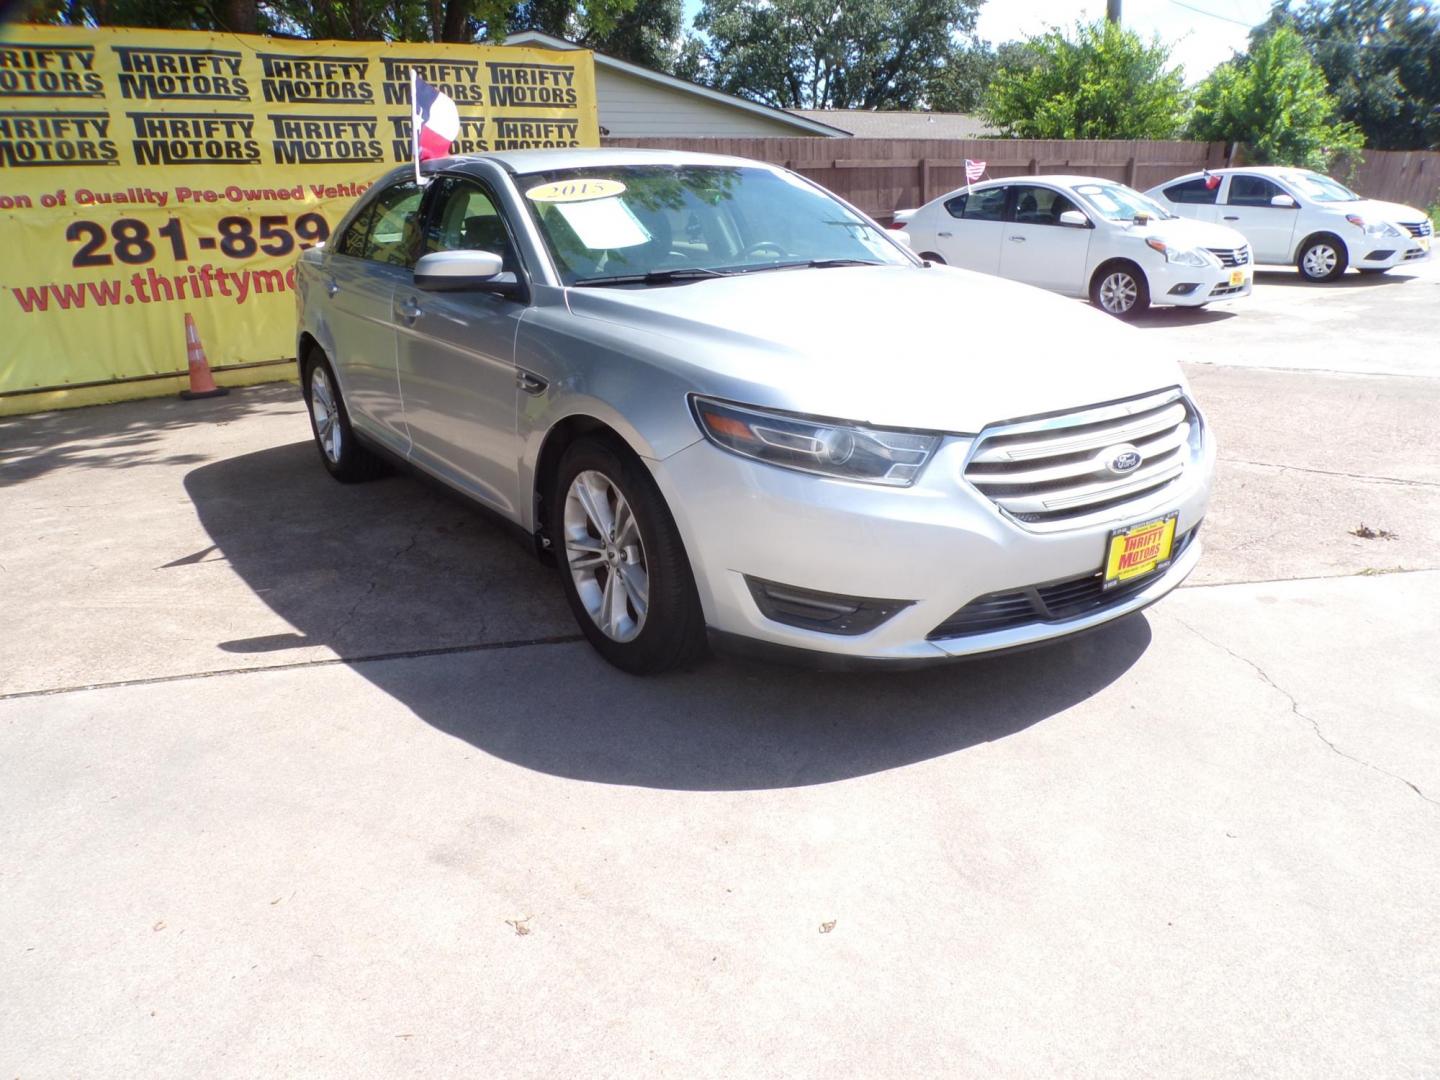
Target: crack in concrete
1370, 571
1295, 708
1395, 480
375, 581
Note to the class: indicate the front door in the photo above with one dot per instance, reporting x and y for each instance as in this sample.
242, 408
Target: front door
457, 355
1037, 249
1270, 229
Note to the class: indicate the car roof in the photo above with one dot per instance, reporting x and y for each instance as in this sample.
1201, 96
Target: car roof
1057, 179
522, 162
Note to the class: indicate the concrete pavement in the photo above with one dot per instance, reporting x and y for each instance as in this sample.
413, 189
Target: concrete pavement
352, 801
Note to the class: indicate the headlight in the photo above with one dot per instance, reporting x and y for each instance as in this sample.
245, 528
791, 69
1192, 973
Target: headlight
1376, 229
1183, 256
829, 448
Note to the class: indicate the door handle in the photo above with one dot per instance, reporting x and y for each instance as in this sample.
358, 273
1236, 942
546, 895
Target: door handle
1017, 239
409, 310
531, 384
944, 234
1232, 217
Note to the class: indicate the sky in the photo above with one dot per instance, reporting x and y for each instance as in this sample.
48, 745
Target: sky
1201, 33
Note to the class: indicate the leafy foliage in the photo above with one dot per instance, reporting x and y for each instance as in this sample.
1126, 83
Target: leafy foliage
816, 54
1274, 100
962, 81
1105, 82
644, 32
1382, 61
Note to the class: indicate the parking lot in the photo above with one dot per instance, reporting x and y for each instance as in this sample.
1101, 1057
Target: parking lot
306, 779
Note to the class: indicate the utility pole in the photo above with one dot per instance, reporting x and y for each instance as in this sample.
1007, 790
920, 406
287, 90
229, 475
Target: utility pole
1112, 11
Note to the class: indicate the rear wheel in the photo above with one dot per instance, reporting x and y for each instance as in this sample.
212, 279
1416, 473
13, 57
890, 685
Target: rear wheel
622, 562
930, 256
1322, 258
340, 451
1120, 289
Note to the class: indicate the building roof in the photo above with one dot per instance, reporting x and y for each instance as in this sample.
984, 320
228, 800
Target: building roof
879, 124
803, 125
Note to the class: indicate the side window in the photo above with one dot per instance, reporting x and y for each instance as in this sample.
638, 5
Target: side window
1040, 205
394, 226
353, 242
987, 205
956, 206
465, 217
1251, 191
1196, 191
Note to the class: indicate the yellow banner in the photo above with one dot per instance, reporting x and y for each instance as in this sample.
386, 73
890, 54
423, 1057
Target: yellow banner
145, 174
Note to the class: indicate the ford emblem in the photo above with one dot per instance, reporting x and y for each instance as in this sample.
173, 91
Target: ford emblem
1122, 459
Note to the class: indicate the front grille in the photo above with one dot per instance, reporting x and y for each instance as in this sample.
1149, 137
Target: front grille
1226, 290
1054, 470
1231, 257
1418, 228
1414, 253
1054, 602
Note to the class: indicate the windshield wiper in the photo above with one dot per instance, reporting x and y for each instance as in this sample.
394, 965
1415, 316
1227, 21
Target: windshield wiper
654, 277
811, 264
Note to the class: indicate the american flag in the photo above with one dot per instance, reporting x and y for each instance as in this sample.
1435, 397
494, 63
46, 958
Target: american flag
973, 170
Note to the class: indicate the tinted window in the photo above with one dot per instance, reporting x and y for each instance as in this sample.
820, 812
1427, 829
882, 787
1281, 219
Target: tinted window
1252, 191
393, 226
353, 242
1196, 191
1040, 205
987, 205
464, 217
956, 207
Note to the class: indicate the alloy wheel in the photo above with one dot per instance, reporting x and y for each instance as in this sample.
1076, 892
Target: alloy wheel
326, 414
606, 556
1320, 261
1118, 293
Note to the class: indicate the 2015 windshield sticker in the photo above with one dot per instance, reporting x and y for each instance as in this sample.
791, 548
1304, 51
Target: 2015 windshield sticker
569, 191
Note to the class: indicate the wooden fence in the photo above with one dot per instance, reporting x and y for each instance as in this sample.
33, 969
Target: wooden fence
884, 175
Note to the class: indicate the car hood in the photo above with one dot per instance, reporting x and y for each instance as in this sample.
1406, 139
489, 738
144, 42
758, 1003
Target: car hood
1375, 210
1187, 232
894, 346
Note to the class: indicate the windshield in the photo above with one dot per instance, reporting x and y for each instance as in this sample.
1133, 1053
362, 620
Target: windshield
1120, 203
632, 221
1320, 188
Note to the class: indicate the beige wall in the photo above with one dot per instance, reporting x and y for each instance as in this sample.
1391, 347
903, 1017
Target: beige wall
631, 107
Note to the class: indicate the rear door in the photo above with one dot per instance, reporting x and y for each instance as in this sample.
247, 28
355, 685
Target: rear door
970, 238
1037, 249
1246, 207
457, 353
360, 275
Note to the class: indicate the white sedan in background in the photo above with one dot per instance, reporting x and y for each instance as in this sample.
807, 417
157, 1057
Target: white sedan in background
1083, 236
1295, 216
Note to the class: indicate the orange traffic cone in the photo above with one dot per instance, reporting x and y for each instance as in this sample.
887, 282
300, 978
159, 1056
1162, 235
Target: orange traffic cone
202, 383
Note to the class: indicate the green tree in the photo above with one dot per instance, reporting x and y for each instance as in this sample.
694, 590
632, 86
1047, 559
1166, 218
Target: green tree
1274, 99
1381, 59
963, 80
1105, 82
647, 33
815, 54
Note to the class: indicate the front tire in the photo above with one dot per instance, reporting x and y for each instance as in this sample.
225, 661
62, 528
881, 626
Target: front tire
1322, 258
343, 456
1120, 289
622, 563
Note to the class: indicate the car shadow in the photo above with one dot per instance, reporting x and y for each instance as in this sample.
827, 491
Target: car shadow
1351, 279
1171, 317
443, 611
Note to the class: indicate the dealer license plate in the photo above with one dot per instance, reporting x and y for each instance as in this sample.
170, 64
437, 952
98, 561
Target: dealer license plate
1237, 277
1137, 550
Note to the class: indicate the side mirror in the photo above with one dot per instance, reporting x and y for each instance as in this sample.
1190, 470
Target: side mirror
1285, 202
1074, 219
461, 271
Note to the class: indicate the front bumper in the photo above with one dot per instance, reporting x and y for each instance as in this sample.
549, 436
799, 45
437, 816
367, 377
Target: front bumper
1191, 286
939, 544
1394, 251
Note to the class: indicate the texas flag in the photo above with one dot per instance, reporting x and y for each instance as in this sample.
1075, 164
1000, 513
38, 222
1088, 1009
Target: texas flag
436, 122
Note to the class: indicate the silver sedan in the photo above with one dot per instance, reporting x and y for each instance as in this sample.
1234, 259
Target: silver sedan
732, 408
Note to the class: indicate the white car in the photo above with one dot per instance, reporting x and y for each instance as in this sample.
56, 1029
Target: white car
1083, 236
1295, 216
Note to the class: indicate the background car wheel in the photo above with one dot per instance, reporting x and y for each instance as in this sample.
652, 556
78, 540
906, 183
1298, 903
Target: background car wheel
1120, 289
622, 563
1322, 258
930, 256
344, 457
